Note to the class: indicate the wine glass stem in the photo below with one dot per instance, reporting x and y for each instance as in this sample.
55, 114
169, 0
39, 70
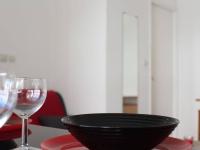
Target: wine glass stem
24, 132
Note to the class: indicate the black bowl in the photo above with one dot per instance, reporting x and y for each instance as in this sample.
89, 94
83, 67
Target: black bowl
120, 131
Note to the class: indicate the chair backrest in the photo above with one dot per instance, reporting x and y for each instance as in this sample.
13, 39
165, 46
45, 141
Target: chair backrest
53, 106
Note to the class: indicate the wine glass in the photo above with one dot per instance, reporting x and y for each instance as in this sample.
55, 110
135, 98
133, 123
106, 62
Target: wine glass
31, 96
8, 96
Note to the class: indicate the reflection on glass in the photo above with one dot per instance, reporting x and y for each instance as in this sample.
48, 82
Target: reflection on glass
8, 97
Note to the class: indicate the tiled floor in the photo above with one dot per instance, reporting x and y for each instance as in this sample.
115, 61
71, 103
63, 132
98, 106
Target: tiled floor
130, 108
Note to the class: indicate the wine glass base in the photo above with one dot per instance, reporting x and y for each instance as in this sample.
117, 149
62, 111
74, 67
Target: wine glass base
26, 148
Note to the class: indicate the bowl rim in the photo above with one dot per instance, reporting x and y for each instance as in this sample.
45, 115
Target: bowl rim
67, 121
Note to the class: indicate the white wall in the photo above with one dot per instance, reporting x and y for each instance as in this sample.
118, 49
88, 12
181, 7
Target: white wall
188, 45
82, 55
63, 41
196, 60
141, 9
27, 31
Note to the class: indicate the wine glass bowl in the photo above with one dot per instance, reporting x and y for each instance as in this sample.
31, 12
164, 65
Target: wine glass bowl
31, 95
29, 101
7, 96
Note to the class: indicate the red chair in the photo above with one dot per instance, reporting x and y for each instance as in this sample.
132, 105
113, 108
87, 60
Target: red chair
51, 112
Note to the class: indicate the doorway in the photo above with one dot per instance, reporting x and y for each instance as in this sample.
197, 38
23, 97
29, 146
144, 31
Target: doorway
130, 63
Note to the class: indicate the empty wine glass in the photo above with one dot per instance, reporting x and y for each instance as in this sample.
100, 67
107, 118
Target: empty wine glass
7, 96
31, 96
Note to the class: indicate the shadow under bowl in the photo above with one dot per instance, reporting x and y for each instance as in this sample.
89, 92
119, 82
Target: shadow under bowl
120, 131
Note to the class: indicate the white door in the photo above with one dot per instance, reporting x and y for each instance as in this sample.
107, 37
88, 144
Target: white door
162, 61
